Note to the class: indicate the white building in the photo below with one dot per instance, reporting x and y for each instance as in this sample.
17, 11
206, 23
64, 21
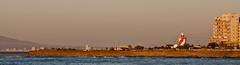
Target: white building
87, 48
226, 30
122, 48
33, 49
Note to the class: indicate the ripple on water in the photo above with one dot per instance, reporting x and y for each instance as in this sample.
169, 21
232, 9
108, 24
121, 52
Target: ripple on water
115, 61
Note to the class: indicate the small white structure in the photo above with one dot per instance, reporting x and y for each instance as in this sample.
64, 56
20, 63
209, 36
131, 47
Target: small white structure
33, 49
122, 48
175, 46
41, 48
87, 48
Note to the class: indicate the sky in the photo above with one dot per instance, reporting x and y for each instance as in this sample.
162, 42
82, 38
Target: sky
104, 23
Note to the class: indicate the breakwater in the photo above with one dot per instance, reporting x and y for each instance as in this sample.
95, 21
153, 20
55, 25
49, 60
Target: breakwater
139, 53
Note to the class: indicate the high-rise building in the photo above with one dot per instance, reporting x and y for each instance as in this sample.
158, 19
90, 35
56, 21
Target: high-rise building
226, 30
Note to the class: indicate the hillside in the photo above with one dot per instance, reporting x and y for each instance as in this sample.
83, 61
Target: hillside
6, 42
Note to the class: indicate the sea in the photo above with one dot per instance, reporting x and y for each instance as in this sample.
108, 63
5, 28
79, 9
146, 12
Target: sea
116, 61
21, 60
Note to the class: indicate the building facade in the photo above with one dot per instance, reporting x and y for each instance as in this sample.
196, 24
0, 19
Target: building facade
226, 30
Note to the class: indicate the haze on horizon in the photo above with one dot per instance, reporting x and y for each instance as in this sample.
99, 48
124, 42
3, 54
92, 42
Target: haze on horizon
111, 22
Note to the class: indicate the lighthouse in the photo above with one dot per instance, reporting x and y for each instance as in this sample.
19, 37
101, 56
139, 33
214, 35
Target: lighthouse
182, 40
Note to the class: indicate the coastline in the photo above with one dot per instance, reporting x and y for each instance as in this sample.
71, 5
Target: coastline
137, 53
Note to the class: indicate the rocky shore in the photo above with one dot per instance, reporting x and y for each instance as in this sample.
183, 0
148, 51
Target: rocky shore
139, 53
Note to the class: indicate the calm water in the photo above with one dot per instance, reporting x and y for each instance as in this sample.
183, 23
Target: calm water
115, 61
13, 52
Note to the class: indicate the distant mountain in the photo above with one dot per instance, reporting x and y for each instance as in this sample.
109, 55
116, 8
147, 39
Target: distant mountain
6, 42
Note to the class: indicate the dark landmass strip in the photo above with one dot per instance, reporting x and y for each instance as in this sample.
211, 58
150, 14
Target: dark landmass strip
139, 53
7, 42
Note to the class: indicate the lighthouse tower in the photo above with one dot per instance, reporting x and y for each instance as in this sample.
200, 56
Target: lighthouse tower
182, 40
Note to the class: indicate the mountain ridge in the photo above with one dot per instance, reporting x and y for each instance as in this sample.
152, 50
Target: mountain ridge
8, 42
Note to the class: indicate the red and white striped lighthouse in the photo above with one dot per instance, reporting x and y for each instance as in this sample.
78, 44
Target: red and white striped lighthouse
181, 40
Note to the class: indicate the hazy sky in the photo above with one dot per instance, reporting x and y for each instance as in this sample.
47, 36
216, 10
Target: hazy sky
111, 22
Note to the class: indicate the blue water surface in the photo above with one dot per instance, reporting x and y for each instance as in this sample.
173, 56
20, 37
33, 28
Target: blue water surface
116, 61
14, 52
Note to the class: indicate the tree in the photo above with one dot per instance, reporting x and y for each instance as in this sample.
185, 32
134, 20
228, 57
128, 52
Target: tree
111, 49
138, 47
212, 45
157, 47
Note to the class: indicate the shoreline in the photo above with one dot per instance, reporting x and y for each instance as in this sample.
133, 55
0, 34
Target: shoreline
137, 53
